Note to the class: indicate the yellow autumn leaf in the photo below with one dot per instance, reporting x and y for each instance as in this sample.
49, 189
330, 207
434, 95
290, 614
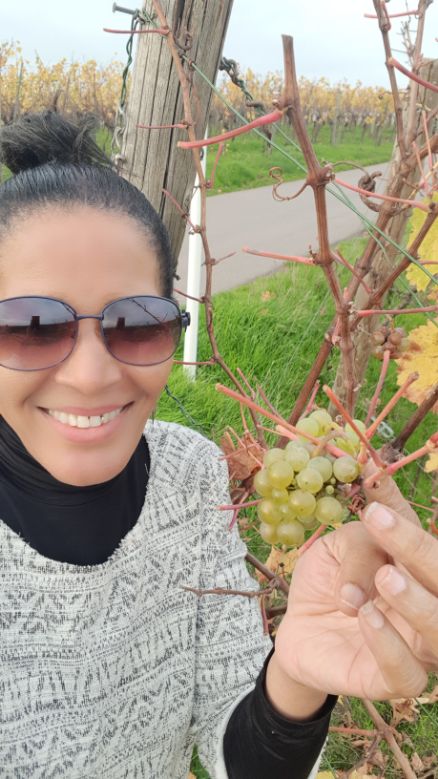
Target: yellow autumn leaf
421, 356
279, 562
428, 249
431, 463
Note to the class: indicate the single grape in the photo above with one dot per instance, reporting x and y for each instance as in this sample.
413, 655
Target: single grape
303, 503
310, 480
352, 436
280, 474
328, 511
262, 485
286, 512
280, 495
322, 465
272, 456
290, 533
308, 523
268, 533
346, 469
310, 426
396, 337
297, 456
268, 512
346, 445
323, 419
379, 337
329, 489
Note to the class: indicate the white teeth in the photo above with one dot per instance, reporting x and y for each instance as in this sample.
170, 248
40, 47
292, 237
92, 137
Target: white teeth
84, 422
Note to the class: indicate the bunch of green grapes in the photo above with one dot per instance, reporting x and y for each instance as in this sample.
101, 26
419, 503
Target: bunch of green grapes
300, 488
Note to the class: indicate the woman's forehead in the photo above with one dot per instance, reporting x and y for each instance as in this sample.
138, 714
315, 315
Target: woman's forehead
53, 251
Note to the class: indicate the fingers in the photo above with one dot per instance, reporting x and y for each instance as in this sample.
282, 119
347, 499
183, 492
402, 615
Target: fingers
388, 493
403, 675
405, 542
360, 558
412, 601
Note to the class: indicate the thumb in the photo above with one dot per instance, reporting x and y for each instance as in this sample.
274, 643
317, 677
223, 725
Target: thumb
358, 558
387, 492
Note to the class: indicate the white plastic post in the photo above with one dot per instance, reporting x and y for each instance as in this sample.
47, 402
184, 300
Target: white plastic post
194, 281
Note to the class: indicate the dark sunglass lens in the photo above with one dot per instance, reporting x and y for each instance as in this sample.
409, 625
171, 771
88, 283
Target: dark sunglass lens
142, 330
35, 333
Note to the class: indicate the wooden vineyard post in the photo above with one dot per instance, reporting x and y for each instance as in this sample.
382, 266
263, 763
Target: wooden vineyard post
150, 158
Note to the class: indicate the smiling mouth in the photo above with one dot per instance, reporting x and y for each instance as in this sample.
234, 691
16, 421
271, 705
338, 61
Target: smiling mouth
84, 422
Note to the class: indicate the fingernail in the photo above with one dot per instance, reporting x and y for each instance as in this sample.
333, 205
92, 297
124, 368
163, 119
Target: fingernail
378, 516
394, 581
372, 615
352, 595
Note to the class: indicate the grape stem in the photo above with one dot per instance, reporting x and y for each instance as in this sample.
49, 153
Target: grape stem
390, 405
348, 418
234, 506
310, 541
281, 584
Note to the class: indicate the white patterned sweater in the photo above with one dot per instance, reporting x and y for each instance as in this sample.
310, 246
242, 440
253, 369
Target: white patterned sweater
115, 670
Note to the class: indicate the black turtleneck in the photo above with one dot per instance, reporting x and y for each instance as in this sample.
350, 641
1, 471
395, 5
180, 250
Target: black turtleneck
79, 525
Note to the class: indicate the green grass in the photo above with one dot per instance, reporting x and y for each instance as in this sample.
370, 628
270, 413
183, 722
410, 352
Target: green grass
246, 161
272, 329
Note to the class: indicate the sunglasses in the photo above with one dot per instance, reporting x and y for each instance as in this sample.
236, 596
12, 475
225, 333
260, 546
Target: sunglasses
38, 332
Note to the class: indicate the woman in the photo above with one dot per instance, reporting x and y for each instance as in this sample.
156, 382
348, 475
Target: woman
109, 666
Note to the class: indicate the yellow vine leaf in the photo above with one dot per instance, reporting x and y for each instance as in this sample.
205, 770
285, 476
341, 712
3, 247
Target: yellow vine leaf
421, 356
427, 251
431, 463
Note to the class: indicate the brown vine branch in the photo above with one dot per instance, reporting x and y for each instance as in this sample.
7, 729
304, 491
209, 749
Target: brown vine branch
225, 591
376, 397
393, 311
413, 249
261, 121
398, 200
275, 256
390, 405
388, 734
318, 177
385, 26
349, 420
427, 84
416, 418
259, 566
393, 16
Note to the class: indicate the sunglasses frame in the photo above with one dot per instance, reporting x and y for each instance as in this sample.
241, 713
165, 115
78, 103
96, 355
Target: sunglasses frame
184, 317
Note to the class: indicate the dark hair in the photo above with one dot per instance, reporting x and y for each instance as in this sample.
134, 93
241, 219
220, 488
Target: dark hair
56, 160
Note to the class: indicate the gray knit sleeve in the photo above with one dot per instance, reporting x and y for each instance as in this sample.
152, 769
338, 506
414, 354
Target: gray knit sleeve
230, 645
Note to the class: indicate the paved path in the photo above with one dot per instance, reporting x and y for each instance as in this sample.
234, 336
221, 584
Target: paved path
253, 218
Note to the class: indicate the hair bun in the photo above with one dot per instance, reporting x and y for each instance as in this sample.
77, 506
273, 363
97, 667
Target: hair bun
37, 138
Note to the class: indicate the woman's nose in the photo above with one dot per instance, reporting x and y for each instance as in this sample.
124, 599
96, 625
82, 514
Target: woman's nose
90, 367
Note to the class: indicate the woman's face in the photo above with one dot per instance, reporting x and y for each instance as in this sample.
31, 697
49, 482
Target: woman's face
86, 258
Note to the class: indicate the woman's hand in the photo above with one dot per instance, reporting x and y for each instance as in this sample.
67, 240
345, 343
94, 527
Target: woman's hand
384, 649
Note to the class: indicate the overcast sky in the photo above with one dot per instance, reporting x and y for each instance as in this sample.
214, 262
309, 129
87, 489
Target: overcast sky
331, 37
